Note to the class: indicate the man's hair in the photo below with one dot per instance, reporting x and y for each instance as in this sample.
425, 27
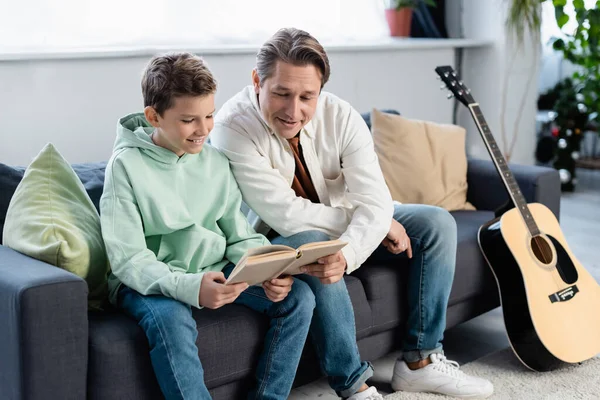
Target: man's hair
173, 75
292, 46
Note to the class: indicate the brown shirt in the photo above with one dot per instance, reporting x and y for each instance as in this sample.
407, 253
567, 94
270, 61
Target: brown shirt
302, 183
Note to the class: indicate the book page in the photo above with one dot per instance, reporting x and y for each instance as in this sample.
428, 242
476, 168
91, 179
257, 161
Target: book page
311, 252
257, 269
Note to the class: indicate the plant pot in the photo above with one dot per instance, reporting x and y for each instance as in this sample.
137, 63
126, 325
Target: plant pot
399, 21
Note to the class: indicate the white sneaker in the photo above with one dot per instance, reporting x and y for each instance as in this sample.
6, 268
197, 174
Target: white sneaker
370, 394
441, 376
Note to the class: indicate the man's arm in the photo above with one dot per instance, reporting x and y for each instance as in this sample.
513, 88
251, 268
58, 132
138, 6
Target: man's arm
268, 193
366, 191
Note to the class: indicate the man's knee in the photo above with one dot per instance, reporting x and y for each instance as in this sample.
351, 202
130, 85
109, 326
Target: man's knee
437, 221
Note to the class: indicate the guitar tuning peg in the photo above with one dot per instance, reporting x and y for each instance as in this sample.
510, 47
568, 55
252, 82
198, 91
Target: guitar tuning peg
454, 74
438, 77
442, 87
446, 74
460, 83
449, 96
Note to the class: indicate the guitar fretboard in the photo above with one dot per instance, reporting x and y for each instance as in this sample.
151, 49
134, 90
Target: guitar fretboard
509, 180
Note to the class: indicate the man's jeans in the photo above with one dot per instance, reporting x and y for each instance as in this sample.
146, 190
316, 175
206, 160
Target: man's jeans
171, 332
432, 232
333, 331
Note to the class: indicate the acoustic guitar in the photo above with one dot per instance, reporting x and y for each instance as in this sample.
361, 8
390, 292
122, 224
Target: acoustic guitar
550, 303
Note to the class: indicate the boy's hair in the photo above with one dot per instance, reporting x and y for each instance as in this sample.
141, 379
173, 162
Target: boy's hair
172, 75
292, 46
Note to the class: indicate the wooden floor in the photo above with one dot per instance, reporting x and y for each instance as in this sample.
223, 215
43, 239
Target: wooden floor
580, 222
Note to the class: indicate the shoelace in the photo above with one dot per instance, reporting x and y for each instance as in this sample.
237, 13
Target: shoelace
442, 364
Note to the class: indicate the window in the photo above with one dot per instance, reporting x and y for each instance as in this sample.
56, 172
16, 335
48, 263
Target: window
43, 25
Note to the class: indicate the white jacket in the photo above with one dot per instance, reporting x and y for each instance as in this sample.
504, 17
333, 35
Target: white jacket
356, 205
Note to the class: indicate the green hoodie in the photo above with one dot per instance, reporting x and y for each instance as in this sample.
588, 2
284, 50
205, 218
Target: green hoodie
167, 219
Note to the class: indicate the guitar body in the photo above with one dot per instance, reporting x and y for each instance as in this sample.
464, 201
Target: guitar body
551, 304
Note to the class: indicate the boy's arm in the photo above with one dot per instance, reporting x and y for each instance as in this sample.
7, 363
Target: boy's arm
131, 261
239, 234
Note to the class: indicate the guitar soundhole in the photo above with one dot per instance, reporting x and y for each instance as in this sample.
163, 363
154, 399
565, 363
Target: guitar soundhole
541, 249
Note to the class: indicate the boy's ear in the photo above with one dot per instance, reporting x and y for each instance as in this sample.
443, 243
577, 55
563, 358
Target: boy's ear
255, 81
151, 116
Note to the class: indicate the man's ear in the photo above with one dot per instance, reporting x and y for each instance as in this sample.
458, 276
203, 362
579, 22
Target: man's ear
151, 116
255, 81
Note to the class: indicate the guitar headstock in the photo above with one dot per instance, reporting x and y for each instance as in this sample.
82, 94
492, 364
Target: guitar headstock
455, 85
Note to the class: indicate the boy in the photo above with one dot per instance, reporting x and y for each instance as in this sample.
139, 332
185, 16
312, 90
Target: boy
173, 229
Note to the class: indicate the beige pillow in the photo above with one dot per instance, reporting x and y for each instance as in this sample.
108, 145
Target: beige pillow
422, 162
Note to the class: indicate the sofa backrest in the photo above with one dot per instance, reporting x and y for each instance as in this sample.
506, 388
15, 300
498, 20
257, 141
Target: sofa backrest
91, 175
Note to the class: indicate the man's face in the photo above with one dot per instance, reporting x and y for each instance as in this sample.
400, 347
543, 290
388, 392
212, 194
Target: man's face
288, 99
184, 128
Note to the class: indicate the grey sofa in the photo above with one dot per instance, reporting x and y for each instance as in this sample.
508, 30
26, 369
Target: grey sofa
51, 347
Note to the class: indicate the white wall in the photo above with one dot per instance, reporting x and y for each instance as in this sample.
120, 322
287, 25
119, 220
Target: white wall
76, 103
483, 72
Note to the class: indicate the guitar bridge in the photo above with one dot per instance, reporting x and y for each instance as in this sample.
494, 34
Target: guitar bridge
564, 295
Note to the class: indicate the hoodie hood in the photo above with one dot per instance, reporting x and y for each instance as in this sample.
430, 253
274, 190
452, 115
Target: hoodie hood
133, 131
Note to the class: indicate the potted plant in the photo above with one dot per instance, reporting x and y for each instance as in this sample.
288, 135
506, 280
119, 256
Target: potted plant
398, 14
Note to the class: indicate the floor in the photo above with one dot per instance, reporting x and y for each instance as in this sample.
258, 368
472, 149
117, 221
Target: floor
580, 222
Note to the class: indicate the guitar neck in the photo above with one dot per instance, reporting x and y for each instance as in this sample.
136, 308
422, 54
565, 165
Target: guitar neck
514, 192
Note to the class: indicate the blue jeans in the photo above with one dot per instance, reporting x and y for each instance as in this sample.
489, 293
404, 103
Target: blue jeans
432, 232
171, 332
333, 331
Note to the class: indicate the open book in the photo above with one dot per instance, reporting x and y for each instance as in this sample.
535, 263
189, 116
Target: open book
267, 262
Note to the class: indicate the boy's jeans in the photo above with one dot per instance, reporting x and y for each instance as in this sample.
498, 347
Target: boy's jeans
171, 332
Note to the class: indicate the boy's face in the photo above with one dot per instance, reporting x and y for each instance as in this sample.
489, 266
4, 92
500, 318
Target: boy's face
183, 128
288, 99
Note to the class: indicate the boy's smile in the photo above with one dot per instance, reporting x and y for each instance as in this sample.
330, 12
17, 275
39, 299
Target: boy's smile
184, 127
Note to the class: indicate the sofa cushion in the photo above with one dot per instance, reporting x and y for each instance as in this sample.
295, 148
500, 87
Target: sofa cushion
229, 342
422, 162
90, 174
385, 288
473, 276
51, 218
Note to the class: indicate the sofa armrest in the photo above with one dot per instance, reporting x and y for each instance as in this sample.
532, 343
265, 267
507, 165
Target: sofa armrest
43, 330
487, 191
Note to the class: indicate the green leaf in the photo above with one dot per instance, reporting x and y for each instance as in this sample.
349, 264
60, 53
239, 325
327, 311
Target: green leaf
560, 3
579, 4
561, 17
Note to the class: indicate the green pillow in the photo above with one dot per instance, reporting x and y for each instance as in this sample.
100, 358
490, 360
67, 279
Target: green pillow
51, 217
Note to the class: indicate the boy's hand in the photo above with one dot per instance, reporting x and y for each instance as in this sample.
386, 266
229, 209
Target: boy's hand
397, 240
278, 289
328, 269
214, 294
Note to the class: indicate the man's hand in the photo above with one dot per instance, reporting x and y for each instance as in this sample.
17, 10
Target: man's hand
213, 292
397, 240
328, 269
278, 289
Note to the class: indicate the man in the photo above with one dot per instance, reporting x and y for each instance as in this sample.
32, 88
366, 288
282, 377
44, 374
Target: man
306, 166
